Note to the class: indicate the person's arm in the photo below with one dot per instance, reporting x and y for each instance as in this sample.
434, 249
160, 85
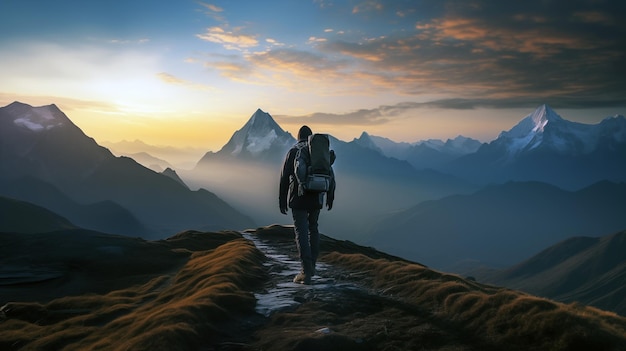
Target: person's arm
285, 175
330, 195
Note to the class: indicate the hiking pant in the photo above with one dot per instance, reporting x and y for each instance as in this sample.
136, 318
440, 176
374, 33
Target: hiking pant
307, 235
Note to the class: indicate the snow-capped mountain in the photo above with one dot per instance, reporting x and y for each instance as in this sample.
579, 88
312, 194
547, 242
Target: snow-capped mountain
545, 147
261, 139
545, 129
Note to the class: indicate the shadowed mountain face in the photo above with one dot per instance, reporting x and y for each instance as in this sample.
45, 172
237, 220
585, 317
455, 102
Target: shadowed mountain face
500, 225
105, 215
589, 270
200, 290
42, 148
23, 217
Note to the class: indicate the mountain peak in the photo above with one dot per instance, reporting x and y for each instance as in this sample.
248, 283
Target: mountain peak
365, 140
260, 134
532, 125
36, 119
261, 120
542, 116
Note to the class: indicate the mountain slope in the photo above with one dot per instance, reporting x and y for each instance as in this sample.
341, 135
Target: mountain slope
500, 225
156, 164
545, 147
42, 143
23, 217
199, 290
105, 216
585, 269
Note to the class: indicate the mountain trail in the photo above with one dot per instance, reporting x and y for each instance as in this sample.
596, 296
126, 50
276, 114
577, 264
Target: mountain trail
341, 310
280, 293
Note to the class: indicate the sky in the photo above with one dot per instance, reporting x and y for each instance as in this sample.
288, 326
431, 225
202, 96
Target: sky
190, 73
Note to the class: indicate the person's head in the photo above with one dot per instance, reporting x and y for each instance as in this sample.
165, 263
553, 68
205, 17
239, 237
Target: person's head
304, 133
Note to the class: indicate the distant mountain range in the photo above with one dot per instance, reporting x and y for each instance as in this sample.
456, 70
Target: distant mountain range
156, 157
433, 153
50, 162
541, 147
499, 225
545, 147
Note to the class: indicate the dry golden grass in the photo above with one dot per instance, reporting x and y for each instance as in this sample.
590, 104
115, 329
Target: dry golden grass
178, 312
498, 318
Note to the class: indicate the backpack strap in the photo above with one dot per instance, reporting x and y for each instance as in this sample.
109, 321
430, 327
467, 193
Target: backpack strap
301, 165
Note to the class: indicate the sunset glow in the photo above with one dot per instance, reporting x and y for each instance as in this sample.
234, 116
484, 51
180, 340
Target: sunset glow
190, 73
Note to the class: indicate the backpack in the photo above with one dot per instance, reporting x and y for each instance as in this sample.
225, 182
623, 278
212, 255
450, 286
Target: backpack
312, 165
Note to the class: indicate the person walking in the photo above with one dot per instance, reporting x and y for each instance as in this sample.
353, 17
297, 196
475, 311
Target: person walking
305, 208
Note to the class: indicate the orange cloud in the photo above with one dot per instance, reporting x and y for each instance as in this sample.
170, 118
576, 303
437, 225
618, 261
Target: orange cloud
229, 40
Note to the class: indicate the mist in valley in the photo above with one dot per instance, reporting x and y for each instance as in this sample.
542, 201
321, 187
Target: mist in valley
360, 201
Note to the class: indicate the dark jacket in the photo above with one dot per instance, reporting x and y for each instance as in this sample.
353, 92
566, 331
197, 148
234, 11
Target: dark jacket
288, 192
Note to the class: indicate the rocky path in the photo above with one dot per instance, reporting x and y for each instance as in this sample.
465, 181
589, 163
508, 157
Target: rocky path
280, 293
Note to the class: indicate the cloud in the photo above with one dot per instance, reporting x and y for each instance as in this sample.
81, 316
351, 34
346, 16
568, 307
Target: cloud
430, 50
274, 42
367, 6
281, 67
171, 79
489, 50
211, 7
362, 117
229, 39
65, 104
387, 113
212, 11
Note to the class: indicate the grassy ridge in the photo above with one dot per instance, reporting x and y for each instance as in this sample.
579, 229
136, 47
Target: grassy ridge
179, 312
496, 318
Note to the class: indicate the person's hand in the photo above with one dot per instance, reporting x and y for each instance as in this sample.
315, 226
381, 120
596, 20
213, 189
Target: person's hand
283, 210
329, 205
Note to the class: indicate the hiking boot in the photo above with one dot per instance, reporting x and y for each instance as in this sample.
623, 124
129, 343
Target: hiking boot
302, 278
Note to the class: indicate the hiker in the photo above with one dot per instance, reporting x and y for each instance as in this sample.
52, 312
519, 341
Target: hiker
305, 205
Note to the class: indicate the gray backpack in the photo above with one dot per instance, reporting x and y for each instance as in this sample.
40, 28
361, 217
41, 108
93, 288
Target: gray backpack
312, 165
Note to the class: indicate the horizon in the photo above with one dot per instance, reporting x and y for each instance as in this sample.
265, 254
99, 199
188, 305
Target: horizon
191, 148
407, 71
